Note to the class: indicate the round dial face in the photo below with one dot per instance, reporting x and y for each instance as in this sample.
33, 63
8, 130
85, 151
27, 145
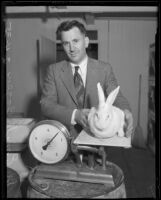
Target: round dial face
48, 144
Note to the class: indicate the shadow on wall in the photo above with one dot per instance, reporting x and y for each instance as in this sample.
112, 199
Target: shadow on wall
33, 109
45, 57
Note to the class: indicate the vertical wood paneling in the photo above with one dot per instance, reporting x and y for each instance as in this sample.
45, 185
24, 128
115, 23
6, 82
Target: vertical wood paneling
129, 55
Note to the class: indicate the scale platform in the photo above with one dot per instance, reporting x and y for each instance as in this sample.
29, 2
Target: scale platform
86, 139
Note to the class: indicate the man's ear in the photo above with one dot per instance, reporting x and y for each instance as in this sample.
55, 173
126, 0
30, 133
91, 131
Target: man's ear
86, 41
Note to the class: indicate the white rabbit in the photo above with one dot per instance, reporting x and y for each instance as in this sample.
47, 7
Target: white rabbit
106, 120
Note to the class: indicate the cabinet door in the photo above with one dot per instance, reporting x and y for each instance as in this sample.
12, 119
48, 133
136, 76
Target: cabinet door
46, 55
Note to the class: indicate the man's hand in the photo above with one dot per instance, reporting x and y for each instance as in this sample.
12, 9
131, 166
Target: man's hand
128, 127
81, 117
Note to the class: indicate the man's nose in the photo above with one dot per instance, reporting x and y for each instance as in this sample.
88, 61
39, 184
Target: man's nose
71, 47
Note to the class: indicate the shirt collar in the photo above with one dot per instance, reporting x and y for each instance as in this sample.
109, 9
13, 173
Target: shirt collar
82, 64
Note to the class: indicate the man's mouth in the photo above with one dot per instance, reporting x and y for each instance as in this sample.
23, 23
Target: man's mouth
73, 54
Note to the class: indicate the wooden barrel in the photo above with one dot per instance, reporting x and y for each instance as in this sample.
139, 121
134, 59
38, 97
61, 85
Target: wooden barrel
13, 184
49, 188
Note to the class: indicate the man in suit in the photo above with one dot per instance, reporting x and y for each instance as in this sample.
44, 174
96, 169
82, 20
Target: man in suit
59, 95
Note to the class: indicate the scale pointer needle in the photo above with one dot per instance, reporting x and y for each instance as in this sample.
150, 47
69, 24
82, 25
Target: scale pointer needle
48, 143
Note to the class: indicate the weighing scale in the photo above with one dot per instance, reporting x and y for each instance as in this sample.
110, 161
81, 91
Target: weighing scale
50, 143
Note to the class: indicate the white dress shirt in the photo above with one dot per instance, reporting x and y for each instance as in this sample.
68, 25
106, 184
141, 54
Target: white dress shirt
83, 72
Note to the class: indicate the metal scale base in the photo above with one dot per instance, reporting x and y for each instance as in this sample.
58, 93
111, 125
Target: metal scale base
66, 180
68, 170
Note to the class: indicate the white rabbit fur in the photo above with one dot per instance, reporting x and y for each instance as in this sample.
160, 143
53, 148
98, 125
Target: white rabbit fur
106, 120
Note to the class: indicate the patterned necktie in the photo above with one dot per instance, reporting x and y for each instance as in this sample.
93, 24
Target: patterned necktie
80, 90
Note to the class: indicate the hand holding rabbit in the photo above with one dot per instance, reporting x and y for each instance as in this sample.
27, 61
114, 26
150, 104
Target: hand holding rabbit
81, 117
128, 126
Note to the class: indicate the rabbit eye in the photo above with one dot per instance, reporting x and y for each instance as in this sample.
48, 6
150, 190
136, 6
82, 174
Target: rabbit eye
107, 117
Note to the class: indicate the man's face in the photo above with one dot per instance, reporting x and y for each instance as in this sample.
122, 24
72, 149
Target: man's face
74, 44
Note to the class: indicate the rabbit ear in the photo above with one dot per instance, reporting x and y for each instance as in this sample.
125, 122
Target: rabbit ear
112, 96
101, 96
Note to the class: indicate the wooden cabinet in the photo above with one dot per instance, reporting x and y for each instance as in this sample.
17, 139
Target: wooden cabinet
151, 100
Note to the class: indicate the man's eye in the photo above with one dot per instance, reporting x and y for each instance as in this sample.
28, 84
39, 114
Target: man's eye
75, 41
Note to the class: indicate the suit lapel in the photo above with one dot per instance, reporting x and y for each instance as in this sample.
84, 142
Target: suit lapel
67, 78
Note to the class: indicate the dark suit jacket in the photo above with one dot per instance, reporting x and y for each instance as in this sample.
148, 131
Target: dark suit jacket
58, 94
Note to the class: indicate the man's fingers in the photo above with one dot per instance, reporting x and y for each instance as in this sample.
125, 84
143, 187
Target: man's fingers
129, 131
128, 127
84, 121
86, 112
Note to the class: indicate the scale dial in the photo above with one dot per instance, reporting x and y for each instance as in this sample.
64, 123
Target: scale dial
49, 141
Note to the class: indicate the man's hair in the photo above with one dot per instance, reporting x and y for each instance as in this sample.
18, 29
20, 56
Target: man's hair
67, 25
